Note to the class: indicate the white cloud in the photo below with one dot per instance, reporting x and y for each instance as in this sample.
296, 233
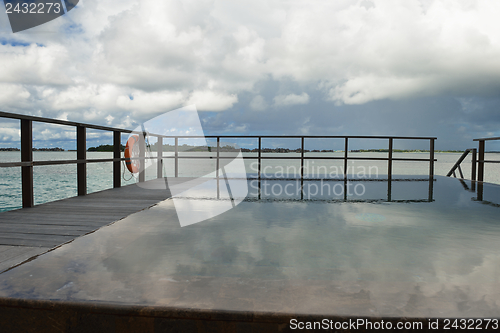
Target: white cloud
13, 96
154, 102
51, 134
109, 119
34, 64
292, 99
258, 103
211, 101
63, 116
9, 134
364, 89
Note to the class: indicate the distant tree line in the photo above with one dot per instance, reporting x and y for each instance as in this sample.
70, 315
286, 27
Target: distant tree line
108, 148
284, 150
34, 149
229, 148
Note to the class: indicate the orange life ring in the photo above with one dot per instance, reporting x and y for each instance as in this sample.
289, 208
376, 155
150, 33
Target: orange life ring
132, 151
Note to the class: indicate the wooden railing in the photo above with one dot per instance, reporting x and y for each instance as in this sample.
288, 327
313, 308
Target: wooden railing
27, 162
457, 165
481, 160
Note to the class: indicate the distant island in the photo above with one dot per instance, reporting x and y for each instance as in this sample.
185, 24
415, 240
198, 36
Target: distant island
48, 149
299, 150
108, 148
403, 151
34, 149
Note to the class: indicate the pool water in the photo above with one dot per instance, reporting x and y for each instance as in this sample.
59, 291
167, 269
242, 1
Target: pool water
413, 249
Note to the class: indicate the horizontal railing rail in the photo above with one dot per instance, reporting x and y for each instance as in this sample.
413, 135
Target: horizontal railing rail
487, 139
27, 163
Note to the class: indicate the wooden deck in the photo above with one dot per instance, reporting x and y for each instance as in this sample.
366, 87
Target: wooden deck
28, 232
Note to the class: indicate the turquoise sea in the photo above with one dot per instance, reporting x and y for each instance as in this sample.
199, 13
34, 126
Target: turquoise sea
57, 182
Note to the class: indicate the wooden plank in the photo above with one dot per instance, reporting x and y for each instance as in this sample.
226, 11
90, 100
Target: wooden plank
115, 197
103, 201
79, 223
43, 230
50, 243
18, 254
87, 211
4, 248
56, 217
61, 211
65, 214
51, 221
66, 211
14, 251
26, 236
60, 217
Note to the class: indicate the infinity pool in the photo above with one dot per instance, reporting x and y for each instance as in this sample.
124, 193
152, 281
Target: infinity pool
405, 249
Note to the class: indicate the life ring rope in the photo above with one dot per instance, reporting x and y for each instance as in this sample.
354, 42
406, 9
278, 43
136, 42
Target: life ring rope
123, 173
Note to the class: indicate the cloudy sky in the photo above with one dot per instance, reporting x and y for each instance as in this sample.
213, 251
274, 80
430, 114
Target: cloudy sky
345, 67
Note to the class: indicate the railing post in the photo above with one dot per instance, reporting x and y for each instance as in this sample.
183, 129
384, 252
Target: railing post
431, 159
480, 169
259, 156
117, 181
302, 159
217, 162
259, 164
479, 191
142, 155
81, 154
431, 170
176, 157
474, 165
389, 162
389, 171
159, 156
302, 169
27, 156
345, 157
